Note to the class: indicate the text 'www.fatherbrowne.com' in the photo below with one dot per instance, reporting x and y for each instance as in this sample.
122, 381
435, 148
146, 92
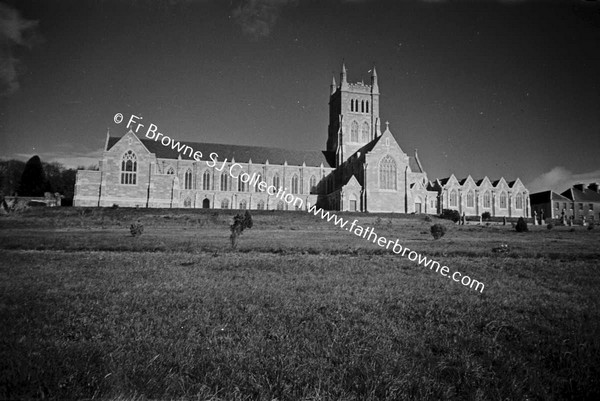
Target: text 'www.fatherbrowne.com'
370, 235
255, 181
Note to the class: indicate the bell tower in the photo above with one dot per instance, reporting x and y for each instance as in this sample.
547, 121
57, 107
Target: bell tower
353, 115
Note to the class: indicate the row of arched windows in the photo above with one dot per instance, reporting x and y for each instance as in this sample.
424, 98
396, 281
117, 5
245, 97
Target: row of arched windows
359, 107
487, 202
225, 181
365, 132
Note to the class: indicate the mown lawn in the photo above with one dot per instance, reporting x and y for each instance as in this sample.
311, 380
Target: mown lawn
303, 310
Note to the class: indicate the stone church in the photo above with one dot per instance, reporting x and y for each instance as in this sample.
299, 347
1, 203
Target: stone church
362, 169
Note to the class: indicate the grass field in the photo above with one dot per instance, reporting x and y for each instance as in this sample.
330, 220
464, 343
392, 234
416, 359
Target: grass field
302, 310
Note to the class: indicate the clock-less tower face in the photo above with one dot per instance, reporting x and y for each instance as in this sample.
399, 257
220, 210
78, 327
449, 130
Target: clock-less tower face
353, 115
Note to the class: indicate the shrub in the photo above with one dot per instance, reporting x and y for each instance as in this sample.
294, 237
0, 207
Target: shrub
428, 218
136, 229
438, 231
550, 226
450, 214
486, 216
591, 227
521, 226
240, 222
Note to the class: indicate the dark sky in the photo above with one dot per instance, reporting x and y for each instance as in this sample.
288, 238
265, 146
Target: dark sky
488, 87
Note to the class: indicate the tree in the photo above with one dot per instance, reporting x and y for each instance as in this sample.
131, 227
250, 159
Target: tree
240, 222
521, 226
10, 176
33, 180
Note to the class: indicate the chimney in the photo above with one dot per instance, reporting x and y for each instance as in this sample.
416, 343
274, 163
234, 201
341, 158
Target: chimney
580, 187
594, 187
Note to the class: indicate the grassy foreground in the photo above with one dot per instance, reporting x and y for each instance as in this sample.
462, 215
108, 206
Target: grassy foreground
303, 310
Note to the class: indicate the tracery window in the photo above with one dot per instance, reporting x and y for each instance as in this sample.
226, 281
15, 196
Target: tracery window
129, 168
387, 173
354, 132
188, 179
366, 132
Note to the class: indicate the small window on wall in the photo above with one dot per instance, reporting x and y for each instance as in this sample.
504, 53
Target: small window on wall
260, 205
556, 205
280, 205
487, 200
295, 184
225, 204
171, 171
224, 182
313, 184
591, 207
243, 204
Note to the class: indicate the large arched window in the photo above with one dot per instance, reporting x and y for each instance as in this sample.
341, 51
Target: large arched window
366, 132
171, 171
225, 204
295, 184
243, 204
503, 200
188, 179
129, 168
470, 199
354, 132
387, 173
276, 181
487, 199
519, 201
313, 184
224, 181
453, 198
206, 180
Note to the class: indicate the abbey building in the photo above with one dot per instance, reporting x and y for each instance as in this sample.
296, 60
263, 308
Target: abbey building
361, 169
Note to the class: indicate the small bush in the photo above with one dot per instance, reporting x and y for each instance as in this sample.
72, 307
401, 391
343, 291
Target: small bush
428, 218
136, 229
591, 227
450, 214
114, 206
521, 226
550, 226
438, 231
486, 216
240, 222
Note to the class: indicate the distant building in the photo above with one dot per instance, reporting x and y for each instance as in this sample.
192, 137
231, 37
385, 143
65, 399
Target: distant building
473, 198
577, 203
362, 169
550, 205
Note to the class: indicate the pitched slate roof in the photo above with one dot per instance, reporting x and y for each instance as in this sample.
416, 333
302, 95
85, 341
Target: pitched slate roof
240, 153
414, 165
576, 195
545, 197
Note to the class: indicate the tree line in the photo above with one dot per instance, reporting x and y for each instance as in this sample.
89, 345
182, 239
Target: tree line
34, 178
